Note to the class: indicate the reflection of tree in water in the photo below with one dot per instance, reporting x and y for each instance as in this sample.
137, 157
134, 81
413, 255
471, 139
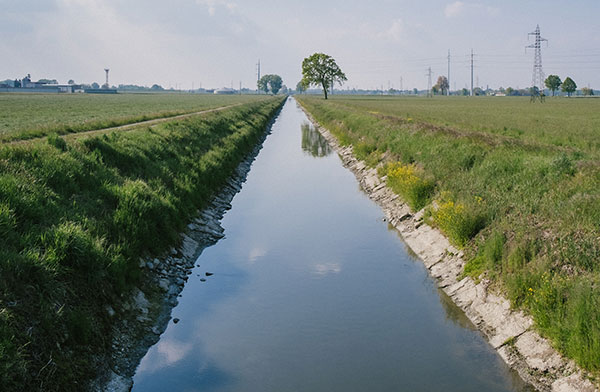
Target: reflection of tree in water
313, 142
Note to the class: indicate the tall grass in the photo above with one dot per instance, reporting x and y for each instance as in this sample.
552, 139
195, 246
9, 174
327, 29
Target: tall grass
76, 217
517, 186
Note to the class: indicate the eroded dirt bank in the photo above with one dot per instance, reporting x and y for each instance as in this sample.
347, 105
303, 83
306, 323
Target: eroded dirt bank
510, 332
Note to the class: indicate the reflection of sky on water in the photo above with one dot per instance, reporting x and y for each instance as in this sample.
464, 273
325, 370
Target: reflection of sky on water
311, 292
327, 268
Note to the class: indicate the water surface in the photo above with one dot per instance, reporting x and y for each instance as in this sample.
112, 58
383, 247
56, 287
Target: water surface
313, 292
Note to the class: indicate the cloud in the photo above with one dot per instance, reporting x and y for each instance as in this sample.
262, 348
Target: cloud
396, 30
454, 9
459, 8
212, 5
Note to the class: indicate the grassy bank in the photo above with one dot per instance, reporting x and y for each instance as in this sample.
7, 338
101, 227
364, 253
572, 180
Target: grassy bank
516, 185
76, 217
27, 116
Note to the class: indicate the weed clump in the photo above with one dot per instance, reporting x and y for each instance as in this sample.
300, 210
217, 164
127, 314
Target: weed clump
411, 184
457, 220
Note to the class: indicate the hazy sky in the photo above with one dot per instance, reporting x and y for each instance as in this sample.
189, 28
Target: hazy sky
216, 43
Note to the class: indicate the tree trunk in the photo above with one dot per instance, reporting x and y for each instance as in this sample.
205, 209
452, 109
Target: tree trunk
324, 89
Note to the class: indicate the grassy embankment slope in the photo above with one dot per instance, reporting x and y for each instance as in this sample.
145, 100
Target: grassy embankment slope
516, 185
27, 116
75, 217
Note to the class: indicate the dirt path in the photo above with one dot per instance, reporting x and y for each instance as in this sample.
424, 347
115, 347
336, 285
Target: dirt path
126, 127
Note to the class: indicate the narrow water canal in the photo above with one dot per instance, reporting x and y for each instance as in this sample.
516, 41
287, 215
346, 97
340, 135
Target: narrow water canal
312, 292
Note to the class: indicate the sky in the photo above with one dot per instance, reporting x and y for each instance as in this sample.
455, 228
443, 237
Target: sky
377, 43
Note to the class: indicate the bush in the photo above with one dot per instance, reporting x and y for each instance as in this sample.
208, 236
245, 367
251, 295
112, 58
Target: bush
458, 222
410, 184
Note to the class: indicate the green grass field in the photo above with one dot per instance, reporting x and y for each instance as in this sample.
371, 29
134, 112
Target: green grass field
515, 184
26, 116
77, 215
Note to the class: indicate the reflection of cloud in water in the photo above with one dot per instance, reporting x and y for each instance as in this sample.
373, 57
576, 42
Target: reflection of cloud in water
164, 354
327, 268
256, 253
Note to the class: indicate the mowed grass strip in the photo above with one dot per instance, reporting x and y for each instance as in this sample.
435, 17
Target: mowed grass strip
516, 185
75, 218
28, 116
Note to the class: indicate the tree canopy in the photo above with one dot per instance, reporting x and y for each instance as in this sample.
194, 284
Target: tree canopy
553, 82
443, 85
320, 69
569, 86
270, 83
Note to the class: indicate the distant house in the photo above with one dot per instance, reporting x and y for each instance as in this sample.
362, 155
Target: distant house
41, 86
224, 90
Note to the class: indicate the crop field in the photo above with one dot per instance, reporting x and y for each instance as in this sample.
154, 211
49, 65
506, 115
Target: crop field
26, 116
77, 215
513, 183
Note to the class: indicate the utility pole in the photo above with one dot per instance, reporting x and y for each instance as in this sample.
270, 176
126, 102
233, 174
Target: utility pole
537, 79
471, 72
258, 74
401, 89
240, 87
429, 94
448, 72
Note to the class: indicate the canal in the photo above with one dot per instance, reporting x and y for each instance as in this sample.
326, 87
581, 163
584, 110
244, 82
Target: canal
311, 291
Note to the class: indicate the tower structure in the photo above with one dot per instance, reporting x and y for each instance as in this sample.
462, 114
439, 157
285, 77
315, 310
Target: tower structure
106, 70
537, 79
429, 94
257, 75
448, 92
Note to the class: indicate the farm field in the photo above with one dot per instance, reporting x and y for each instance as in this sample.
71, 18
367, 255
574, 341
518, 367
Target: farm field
516, 185
77, 215
26, 116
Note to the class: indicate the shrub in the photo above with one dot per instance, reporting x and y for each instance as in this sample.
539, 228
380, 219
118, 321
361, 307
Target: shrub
410, 184
457, 221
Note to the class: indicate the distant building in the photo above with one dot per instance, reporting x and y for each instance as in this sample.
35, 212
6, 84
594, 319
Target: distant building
225, 90
26, 85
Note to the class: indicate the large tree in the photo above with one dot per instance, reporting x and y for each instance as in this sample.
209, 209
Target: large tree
443, 85
270, 83
553, 82
320, 69
569, 86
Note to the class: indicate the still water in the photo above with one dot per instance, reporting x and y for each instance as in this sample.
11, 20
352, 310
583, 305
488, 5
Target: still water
313, 292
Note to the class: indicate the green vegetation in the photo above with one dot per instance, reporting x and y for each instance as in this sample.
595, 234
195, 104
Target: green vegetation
568, 86
27, 116
320, 69
75, 217
270, 84
515, 185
